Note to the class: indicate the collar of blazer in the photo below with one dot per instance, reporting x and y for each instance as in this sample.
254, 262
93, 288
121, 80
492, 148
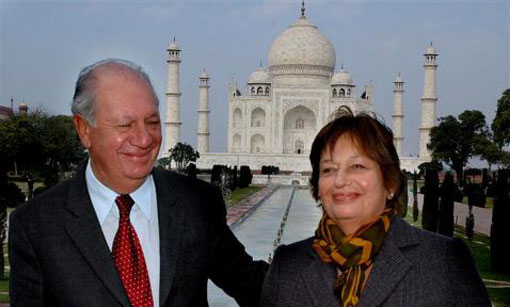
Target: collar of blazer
84, 229
389, 268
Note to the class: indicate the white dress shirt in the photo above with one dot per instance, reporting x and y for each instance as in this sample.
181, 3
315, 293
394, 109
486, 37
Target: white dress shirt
143, 216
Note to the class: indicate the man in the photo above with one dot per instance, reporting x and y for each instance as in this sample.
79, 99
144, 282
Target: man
122, 233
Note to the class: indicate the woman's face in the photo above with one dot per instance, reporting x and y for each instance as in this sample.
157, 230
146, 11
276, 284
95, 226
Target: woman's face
351, 186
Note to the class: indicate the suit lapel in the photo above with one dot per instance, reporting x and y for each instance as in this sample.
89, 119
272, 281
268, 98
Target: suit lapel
171, 227
390, 265
319, 279
84, 229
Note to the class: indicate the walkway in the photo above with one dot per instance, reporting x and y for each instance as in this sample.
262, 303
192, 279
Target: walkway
483, 216
259, 230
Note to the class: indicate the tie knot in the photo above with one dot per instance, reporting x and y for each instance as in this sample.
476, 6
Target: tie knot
125, 203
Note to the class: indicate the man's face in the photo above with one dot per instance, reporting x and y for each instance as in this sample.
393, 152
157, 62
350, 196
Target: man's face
124, 142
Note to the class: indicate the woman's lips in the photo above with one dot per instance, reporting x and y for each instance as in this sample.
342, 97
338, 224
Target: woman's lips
345, 196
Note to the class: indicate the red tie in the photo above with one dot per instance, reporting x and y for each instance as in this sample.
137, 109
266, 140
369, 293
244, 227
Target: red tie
128, 257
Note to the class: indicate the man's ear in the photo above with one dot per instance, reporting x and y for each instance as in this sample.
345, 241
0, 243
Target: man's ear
83, 129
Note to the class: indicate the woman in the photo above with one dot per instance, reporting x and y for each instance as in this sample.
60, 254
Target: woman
362, 253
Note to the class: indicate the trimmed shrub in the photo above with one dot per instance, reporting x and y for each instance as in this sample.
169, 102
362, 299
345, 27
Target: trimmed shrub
13, 196
191, 170
446, 205
415, 197
235, 182
500, 228
475, 194
216, 174
430, 200
245, 176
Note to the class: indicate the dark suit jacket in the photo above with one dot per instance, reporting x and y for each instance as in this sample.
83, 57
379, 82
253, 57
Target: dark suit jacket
59, 256
413, 268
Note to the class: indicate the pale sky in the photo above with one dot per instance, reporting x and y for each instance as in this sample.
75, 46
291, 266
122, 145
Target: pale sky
44, 44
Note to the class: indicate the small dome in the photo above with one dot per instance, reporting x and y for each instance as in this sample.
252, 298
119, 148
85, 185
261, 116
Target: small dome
173, 46
259, 76
431, 50
342, 77
302, 44
398, 79
204, 75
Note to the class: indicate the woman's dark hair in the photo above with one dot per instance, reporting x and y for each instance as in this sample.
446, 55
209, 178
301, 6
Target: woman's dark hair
372, 138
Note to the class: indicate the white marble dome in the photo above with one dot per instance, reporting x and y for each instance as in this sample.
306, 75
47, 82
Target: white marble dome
342, 77
259, 76
302, 44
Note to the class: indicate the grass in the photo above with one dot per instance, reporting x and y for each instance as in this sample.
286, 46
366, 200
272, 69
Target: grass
4, 281
240, 194
480, 249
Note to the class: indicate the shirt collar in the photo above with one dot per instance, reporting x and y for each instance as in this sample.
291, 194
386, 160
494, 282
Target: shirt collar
103, 198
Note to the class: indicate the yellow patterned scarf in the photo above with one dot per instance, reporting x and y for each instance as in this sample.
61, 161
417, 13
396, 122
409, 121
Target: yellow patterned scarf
352, 254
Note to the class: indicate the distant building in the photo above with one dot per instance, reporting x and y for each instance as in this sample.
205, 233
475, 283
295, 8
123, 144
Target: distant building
5, 113
275, 121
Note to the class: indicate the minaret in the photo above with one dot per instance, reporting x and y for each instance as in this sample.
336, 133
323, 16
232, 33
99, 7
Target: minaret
428, 100
173, 116
398, 114
203, 114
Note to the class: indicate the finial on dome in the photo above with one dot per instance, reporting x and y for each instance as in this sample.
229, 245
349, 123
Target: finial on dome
260, 64
342, 66
303, 9
174, 38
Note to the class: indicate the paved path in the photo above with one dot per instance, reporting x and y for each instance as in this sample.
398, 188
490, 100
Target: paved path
483, 216
257, 232
238, 212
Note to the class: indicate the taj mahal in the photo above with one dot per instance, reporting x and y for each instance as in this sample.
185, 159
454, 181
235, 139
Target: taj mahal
276, 119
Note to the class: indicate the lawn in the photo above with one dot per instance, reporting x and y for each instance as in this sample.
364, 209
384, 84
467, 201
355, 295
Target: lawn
4, 281
480, 249
240, 194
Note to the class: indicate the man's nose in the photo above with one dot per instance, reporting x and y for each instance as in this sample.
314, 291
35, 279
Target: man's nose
142, 136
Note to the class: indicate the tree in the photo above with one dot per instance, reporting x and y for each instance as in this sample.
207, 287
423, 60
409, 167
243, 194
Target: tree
62, 148
37, 143
489, 150
430, 200
446, 206
500, 250
165, 163
182, 154
453, 141
501, 123
21, 143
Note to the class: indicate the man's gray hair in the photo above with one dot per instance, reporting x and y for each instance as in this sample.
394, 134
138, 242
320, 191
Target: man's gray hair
86, 86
